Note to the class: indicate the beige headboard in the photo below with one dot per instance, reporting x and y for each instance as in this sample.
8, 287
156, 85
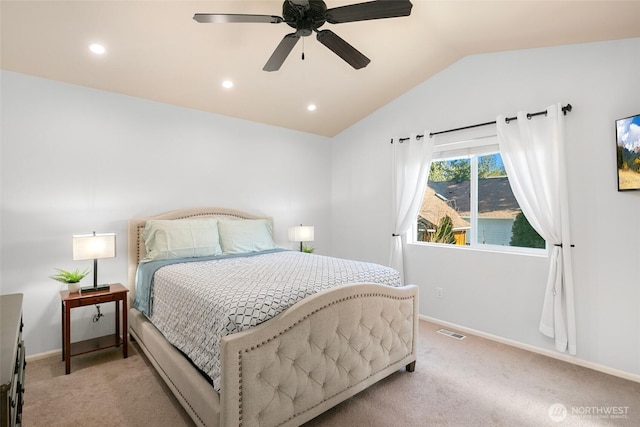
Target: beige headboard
137, 249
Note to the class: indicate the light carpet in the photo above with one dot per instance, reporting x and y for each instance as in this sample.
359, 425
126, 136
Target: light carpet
472, 382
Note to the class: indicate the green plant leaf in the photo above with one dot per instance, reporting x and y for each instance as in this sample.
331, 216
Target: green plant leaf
65, 276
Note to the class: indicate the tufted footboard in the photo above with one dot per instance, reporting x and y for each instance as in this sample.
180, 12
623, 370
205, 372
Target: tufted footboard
318, 353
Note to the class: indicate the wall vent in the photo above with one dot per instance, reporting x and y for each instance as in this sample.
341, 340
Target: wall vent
451, 334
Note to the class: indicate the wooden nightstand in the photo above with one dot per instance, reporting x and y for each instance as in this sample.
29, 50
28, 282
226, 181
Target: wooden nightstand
116, 293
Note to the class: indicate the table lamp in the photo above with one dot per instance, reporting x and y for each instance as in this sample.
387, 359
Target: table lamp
301, 233
94, 246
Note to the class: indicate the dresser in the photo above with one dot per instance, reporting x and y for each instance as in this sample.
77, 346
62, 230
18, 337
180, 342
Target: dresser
12, 362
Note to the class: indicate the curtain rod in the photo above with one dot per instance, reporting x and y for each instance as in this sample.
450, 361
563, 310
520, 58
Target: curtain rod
566, 109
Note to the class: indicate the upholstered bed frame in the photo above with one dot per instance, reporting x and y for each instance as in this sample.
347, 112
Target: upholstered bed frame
295, 366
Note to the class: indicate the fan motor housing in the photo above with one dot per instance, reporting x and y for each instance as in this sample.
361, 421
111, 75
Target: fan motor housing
304, 20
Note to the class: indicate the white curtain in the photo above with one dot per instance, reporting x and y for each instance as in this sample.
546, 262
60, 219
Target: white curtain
533, 153
411, 164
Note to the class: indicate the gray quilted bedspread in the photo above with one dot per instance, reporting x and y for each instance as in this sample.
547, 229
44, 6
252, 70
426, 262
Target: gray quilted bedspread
197, 303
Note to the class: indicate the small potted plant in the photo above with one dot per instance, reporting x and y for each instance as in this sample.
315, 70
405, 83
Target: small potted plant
71, 278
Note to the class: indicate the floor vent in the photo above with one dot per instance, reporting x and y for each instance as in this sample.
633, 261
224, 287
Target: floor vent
451, 334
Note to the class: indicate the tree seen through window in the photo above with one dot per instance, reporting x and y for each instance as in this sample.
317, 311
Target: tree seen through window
469, 201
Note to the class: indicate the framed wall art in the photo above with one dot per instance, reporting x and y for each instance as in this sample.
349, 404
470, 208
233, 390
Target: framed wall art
628, 153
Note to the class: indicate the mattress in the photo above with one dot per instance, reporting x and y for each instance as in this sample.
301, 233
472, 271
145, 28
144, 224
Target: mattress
195, 304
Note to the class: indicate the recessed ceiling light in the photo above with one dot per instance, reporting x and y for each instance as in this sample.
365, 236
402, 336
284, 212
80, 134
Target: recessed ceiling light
97, 48
227, 84
311, 107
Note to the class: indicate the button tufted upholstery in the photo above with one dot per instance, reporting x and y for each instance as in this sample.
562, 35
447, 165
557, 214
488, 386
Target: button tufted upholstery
320, 352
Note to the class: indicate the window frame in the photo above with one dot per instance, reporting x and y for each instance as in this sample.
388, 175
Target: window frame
471, 148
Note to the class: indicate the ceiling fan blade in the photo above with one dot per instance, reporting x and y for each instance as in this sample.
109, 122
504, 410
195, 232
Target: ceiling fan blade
370, 10
343, 49
282, 51
225, 18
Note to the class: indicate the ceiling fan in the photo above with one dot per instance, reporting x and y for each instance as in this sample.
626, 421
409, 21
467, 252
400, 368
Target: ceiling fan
307, 16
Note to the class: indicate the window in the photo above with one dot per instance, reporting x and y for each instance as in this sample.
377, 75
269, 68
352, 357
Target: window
468, 201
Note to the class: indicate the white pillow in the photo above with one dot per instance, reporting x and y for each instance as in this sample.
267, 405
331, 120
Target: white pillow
245, 235
181, 238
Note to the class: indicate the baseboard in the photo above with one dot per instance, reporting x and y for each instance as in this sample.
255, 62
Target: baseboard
549, 353
45, 355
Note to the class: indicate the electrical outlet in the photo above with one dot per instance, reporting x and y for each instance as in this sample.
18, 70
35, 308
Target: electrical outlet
438, 292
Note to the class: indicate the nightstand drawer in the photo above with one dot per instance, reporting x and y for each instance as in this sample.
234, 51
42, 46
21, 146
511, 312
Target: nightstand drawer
102, 298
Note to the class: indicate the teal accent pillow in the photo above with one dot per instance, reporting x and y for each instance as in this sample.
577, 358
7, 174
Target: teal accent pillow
181, 238
245, 235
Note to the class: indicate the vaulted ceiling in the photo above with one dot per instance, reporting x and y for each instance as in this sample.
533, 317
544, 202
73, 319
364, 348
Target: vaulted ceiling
155, 50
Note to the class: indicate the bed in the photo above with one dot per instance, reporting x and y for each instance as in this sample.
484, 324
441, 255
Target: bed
287, 370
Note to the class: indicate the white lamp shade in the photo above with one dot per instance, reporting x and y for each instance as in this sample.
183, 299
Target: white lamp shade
301, 233
94, 246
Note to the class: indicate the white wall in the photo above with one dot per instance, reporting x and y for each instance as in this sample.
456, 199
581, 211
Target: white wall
496, 293
75, 160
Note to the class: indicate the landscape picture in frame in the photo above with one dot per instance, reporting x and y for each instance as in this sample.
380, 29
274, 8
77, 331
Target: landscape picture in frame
628, 152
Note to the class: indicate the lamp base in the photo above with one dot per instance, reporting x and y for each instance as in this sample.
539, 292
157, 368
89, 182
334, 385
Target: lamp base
89, 289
